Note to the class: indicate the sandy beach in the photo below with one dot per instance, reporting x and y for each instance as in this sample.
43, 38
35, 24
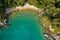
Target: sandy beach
20, 8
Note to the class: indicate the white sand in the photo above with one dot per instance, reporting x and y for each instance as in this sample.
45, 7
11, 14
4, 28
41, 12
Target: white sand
26, 6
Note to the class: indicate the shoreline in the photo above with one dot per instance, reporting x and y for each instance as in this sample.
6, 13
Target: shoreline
21, 8
27, 7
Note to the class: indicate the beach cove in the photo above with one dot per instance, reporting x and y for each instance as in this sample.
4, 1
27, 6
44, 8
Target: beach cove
23, 26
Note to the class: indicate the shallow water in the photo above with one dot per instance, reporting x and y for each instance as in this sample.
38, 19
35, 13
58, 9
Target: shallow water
23, 26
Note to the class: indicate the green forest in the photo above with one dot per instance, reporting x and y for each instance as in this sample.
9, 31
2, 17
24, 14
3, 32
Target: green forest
51, 10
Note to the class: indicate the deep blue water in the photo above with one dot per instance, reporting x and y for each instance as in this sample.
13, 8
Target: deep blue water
23, 26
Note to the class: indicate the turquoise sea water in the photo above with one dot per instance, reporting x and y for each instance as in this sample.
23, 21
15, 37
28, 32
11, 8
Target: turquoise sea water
23, 26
